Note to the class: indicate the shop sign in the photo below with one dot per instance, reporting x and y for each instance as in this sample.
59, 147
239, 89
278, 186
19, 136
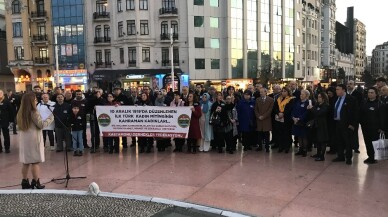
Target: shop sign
134, 77
72, 73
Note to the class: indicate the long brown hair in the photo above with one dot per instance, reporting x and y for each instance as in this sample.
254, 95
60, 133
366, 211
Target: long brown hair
27, 106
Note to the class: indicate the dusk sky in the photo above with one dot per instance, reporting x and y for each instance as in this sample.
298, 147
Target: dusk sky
373, 13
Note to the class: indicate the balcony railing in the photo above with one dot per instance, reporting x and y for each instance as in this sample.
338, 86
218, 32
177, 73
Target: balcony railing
101, 64
168, 62
164, 11
101, 40
101, 15
42, 60
132, 63
39, 14
2, 34
166, 36
39, 38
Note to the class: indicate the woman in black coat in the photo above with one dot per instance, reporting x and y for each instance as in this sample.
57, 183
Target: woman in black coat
320, 126
145, 142
372, 122
330, 120
6, 116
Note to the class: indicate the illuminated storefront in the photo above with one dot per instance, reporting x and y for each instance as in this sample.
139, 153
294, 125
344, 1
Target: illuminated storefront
73, 79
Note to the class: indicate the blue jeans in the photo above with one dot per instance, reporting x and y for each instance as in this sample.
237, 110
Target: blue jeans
78, 144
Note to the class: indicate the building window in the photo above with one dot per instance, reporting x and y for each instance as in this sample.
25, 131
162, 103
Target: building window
298, 65
16, 7
120, 28
41, 29
198, 2
107, 33
165, 56
108, 60
199, 42
168, 4
131, 27
101, 7
164, 30
132, 56
19, 53
214, 3
215, 64
130, 4
146, 54
17, 29
214, 22
98, 57
199, 63
198, 21
174, 26
143, 4
121, 55
215, 43
97, 31
144, 27
119, 9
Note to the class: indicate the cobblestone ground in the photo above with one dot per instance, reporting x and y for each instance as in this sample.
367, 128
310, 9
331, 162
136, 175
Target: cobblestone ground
16, 205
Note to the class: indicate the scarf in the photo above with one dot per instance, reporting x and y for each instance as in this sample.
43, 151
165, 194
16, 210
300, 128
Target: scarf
205, 104
282, 102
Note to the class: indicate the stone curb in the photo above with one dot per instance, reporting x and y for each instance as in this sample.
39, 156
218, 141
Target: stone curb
132, 197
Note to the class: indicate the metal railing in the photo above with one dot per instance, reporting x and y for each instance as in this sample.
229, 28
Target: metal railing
38, 14
168, 62
42, 60
132, 63
101, 15
166, 36
168, 11
102, 40
39, 37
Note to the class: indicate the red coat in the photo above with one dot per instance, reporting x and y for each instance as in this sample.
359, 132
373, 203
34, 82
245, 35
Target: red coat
194, 130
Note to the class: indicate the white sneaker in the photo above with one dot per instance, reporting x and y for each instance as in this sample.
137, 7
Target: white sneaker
52, 148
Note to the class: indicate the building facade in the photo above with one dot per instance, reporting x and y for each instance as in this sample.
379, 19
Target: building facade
311, 40
346, 62
359, 47
6, 78
29, 39
328, 35
217, 40
379, 62
69, 29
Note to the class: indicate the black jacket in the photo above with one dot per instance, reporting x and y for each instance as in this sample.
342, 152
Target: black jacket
15, 101
62, 114
124, 100
6, 113
373, 115
82, 105
76, 122
320, 129
348, 112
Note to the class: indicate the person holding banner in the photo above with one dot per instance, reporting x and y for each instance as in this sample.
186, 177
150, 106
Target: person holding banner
112, 142
219, 120
194, 130
145, 142
177, 102
372, 122
205, 127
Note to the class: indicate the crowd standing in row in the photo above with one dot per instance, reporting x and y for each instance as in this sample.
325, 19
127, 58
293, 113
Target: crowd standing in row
313, 117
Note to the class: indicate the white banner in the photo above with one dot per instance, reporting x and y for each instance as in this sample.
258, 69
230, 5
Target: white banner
144, 121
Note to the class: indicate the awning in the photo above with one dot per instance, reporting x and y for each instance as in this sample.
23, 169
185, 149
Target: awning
111, 75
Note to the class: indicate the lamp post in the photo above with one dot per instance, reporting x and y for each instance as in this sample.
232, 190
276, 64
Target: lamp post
56, 60
172, 59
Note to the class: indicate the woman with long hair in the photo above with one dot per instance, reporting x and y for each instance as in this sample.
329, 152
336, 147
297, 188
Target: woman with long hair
145, 143
283, 120
194, 130
31, 150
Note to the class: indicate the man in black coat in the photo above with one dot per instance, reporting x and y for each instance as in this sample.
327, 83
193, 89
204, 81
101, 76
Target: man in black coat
62, 113
15, 102
97, 100
359, 101
344, 115
123, 100
6, 116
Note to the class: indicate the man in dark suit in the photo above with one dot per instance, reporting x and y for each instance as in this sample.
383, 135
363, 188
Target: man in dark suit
294, 89
344, 116
15, 102
359, 101
276, 91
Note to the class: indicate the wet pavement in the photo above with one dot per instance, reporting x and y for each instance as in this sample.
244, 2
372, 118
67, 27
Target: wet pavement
255, 183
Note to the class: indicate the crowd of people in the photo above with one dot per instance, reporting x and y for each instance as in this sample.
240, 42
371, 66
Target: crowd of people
312, 117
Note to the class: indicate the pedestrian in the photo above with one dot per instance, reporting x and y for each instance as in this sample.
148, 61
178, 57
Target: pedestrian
145, 143
194, 131
219, 120
62, 113
6, 116
76, 131
177, 102
300, 117
205, 127
247, 120
31, 147
112, 143
263, 111
45, 107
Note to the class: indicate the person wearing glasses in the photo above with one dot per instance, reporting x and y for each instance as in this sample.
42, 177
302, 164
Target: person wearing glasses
31, 147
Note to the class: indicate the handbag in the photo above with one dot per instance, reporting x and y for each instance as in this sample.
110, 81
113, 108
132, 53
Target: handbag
381, 148
215, 120
310, 124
